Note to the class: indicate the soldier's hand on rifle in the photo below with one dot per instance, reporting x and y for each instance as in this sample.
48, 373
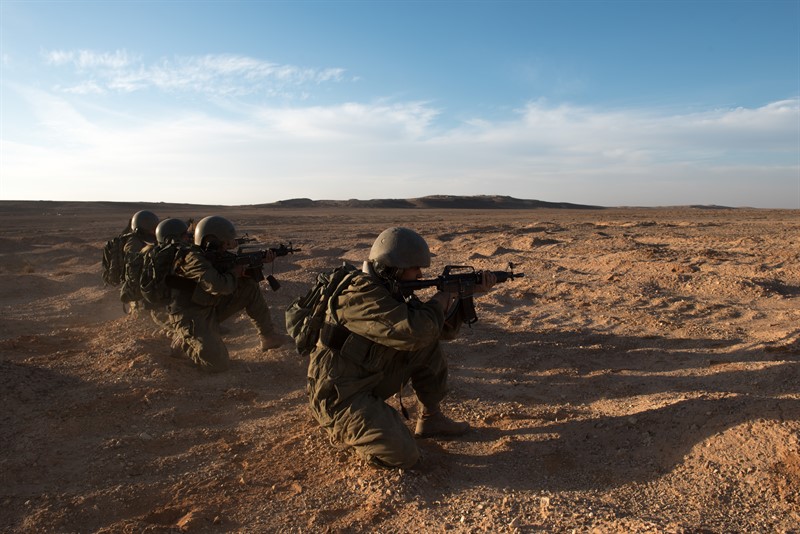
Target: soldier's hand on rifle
269, 256
488, 279
238, 270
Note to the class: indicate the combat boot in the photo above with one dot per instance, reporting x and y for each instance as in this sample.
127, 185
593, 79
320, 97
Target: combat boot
433, 423
272, 341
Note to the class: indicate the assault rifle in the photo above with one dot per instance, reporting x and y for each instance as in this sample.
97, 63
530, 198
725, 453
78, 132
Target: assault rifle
460, 280
253, 261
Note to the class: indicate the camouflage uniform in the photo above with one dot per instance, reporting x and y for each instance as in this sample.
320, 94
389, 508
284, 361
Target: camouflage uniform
386, 343
134, 247
196, 311
157, 313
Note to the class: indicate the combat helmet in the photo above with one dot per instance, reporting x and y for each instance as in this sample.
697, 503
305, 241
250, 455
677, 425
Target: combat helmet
400, 248
214, 230
144, 222
170, 231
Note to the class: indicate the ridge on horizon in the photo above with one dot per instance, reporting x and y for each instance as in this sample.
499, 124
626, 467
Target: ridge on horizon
426, 202
433, 201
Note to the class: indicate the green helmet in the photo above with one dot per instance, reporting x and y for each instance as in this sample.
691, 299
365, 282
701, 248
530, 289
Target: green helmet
401, 248
170, 231
215, 227
144, 222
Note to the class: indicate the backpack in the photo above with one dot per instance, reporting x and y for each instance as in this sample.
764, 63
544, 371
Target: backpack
158, 267
114, 260
306, 315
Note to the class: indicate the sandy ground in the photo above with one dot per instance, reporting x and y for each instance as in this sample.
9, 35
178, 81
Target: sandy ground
642, 377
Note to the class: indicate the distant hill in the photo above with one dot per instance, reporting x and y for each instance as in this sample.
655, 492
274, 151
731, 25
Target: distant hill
435, 201
430, 202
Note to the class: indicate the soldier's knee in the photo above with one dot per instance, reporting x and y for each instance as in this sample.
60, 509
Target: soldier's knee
403, 456
249, 288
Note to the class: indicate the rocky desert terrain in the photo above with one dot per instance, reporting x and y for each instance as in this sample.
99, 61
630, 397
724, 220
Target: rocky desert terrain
644, 376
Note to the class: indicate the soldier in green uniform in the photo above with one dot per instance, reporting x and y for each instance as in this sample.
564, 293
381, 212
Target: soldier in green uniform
143, 235
169, 231
173, 231
374, 341
208, 296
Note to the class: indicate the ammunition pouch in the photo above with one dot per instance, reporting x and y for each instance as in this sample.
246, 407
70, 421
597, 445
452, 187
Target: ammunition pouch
334, 336
180, 283
352, 347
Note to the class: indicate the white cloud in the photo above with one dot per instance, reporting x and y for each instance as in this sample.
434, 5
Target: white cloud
363, 150
213, 74
89, 87
378, 122
88, 60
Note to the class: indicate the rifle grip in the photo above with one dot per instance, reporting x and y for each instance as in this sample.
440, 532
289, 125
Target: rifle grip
468, 306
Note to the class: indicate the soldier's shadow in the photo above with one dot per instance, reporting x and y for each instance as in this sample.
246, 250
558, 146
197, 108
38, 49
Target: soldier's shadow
566, 445
607, 452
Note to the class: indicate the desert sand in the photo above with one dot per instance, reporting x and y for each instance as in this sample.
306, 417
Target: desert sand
644, 376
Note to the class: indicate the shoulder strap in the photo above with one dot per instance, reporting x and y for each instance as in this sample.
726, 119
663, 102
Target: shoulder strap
334, 334
337, 290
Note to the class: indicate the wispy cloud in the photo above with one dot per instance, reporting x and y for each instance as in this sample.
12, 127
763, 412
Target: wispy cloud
88, 60
380, 122
213, 74
373, 150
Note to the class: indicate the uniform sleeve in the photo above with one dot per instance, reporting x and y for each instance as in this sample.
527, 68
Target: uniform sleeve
369, 310
132, 246
195, 266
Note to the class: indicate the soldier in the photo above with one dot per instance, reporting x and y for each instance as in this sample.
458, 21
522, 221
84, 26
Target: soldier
374, 341
211, 296
168, 232
143, 234
173, 231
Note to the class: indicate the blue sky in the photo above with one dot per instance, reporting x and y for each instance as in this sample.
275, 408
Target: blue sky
643, 103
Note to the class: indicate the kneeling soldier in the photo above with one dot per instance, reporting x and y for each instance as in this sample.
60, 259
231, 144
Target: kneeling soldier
212, 295
376, 338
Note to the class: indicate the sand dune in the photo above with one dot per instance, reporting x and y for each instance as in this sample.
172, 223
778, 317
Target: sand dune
642, 377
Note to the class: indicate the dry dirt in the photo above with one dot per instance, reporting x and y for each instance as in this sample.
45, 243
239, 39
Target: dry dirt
642, 377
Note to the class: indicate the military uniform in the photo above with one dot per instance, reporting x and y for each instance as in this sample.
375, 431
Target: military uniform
134, 247
379, 343
157, 312
210, 297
